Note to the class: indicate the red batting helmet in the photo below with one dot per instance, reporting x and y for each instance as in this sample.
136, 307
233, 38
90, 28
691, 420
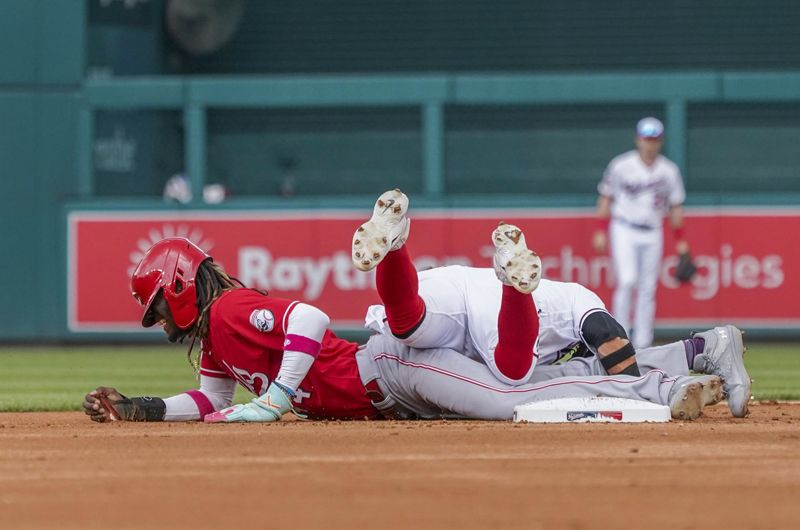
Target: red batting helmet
171, 265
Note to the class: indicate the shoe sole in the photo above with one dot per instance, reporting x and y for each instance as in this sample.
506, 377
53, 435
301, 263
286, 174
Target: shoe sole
523, 267
695, 396
712, 391
371, 241
737, 337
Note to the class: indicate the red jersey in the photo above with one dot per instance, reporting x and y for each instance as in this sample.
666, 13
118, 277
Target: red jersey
245, 342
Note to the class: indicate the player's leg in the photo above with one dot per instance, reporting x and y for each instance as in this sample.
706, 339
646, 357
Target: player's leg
623, 255
380, 242
720, 351
440, 382
675, 358
423, 311
519, 270
602, 333
650, 266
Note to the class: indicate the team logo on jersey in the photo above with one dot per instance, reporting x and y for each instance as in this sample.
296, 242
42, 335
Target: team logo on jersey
263, 320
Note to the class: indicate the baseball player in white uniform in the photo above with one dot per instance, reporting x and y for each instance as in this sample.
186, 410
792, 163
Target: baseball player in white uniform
638, 188
521, 324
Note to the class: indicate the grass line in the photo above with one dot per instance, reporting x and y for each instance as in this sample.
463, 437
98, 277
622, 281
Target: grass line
56, 379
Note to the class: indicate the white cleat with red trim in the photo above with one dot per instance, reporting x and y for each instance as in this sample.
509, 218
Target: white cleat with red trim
387, 230
514, 264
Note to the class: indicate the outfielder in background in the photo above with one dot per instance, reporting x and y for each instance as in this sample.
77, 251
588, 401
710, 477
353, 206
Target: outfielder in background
638, 188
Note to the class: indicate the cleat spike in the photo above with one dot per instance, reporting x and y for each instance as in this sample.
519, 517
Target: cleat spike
386, 230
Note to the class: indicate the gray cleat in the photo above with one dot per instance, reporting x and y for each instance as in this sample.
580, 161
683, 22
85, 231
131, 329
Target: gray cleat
723, 355
689, 395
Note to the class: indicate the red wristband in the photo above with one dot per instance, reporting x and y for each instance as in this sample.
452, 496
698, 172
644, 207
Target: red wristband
602, 223
678, 233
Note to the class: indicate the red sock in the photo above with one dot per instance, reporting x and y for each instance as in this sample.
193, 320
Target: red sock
398, 287
518, 327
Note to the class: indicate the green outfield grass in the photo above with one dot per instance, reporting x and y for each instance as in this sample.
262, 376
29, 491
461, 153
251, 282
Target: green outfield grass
57, 378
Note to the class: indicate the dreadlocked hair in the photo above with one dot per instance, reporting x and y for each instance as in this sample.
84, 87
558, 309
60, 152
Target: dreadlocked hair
210, 282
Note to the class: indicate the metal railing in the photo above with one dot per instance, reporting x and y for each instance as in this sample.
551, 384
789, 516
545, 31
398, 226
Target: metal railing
195, 95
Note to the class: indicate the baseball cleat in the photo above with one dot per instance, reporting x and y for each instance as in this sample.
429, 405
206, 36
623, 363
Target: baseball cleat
689, 395
723, 355
514, 264
387, 230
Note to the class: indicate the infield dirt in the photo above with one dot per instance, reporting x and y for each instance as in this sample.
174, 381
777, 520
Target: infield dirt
60, 470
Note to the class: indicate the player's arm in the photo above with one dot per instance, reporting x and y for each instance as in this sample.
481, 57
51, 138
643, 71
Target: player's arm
676, 221
600, 238
676, 198
304, 330
107, 404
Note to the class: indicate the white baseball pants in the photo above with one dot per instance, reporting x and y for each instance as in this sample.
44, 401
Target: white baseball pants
636, 254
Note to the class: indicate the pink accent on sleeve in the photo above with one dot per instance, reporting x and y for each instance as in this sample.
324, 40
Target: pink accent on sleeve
202, 402
302, 345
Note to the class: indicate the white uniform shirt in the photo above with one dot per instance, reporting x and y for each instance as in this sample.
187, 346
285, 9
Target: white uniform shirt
642, 194
474, 306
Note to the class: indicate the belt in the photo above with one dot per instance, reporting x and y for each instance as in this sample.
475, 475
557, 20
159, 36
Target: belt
376, 396
374, 391
634, 225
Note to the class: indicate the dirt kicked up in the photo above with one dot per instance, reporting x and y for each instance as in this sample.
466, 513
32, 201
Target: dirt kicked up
59, 470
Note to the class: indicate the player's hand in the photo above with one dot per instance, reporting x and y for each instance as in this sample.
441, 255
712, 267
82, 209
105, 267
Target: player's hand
600, 242
94, 407
682, 247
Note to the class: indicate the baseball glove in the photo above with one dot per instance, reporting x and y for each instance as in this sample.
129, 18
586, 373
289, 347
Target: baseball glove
686, 268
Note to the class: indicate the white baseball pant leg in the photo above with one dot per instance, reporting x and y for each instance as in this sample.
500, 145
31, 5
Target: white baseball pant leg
637, 259
670, 359
441, 382
650, 251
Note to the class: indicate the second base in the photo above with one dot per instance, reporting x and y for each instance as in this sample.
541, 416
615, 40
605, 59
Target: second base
593, 409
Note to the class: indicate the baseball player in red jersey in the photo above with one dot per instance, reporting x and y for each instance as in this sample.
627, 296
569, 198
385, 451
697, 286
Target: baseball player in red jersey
283, 353
268, 345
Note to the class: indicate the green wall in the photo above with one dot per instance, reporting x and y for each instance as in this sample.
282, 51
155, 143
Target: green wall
498, 36
40, 73
544, 138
